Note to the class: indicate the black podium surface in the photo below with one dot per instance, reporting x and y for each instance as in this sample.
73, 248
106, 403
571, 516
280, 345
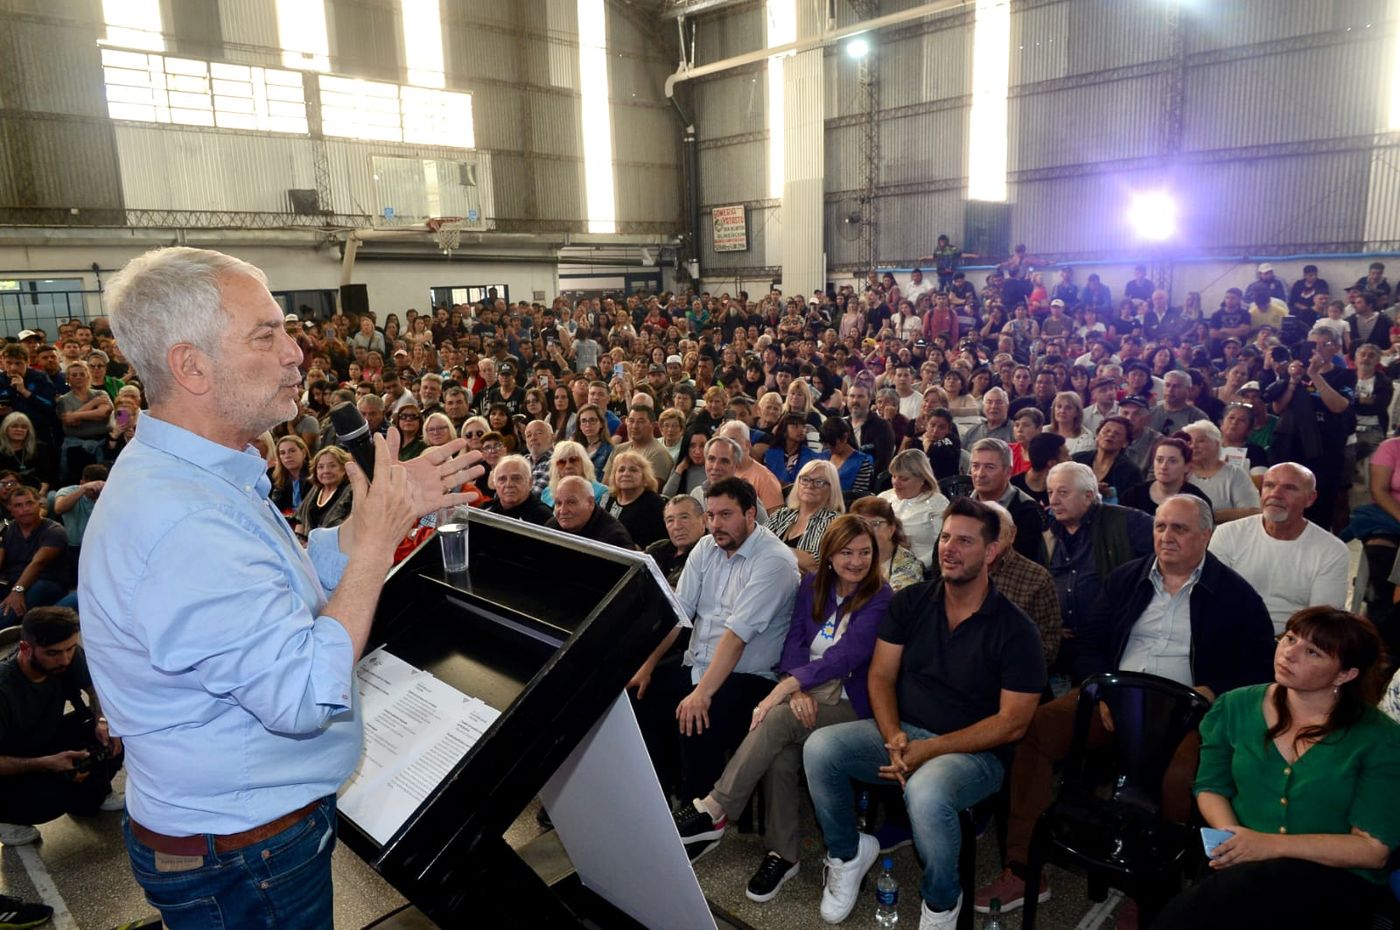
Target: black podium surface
546, 630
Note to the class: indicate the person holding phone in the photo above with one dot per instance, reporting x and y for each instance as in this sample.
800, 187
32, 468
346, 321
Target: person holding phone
1302, 772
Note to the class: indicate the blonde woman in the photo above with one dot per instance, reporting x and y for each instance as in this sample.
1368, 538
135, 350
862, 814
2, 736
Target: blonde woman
814, 501
437, 429
570, 458
917, 501
1067, 420
474, 430
22, 452
633, 498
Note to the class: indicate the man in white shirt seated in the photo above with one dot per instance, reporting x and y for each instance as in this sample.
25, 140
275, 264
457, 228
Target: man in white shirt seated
1292, 562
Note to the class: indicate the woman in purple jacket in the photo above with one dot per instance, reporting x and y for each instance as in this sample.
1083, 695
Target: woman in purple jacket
824, 664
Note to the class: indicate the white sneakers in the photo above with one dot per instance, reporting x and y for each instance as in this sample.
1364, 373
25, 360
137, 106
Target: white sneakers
841, 882
939, 920
17, 834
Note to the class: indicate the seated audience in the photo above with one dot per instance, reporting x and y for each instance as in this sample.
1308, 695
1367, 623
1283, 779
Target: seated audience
685, 524
689, 472
1292, 562
576, 512
991, 483
1170, 466
898, 565
1044, 452
723, 454
327, 502
569, 458
814, 501
1231, 491
954, 681
764, 483
74, 504
291, 475
1302, 772
515, 497
791, 452
1109, 460
633, 500
738, 588
83, 414
917, 501
25, 453
1179, 613
641, 438
34, 566
822, 681
855, 468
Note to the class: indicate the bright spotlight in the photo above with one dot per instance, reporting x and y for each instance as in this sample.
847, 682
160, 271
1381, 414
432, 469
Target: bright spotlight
857, 47
1152, 215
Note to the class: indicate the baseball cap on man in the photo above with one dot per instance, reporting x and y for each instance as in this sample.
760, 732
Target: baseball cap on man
27, 334
1265, 268
1134, 400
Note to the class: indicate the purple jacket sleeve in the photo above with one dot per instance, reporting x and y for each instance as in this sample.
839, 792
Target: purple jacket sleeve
801, 630
848, 659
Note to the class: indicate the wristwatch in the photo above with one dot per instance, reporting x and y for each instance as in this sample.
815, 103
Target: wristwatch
17, 589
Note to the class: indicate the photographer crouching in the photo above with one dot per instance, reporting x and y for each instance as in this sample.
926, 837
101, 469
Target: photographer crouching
51, 763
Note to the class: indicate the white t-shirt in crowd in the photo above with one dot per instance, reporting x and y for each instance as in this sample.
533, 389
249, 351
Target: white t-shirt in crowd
1288, 574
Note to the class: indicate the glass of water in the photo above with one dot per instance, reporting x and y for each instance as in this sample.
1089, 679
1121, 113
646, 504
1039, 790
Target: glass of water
452, 534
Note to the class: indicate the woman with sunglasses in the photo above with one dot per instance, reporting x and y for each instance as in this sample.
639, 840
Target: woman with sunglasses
409, 420
474, 430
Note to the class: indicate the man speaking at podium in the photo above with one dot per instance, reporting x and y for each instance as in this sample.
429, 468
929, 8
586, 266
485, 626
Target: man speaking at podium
219, 656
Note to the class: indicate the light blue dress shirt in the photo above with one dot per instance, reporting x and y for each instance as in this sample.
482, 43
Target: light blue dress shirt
749, 593
202, 620
1160, 642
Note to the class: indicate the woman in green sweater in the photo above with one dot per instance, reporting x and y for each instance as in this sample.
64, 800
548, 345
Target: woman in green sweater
1304, 774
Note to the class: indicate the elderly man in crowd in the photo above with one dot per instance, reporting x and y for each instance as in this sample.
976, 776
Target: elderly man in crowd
765, 484
1088, 539
738, 587
723, 455
515, 495
996, 426
539, 449
1175, 410
575, 512
1291, 561
684, 517
1179, 613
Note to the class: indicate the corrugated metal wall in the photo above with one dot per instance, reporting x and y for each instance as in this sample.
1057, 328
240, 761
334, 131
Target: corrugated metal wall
1279, 110
518, 59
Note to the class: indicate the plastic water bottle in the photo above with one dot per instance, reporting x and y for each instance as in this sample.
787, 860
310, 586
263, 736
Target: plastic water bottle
887, 896
994, 921
863, 811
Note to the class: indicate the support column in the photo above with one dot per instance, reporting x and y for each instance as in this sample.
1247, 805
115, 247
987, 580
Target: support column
803, 252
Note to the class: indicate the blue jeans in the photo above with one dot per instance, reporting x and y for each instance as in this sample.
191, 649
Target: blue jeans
935, 794
282, 883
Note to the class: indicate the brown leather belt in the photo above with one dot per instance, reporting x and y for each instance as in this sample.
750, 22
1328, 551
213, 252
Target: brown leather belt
231, 842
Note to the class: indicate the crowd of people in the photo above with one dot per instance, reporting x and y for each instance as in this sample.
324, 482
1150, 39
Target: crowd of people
907, 518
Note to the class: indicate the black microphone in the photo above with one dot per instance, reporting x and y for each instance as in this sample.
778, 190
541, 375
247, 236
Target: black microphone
353, 433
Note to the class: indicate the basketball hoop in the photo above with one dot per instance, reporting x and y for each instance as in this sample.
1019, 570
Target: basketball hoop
447, 230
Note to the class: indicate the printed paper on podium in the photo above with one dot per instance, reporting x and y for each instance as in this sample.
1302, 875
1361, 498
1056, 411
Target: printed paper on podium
416, 729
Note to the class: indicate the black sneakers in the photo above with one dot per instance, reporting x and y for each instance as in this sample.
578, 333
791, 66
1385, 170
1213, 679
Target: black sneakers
18, 915
694, 824
770, 877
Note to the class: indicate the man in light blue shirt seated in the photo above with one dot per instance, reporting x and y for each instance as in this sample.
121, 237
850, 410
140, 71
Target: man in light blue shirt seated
738, 584
222, 651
